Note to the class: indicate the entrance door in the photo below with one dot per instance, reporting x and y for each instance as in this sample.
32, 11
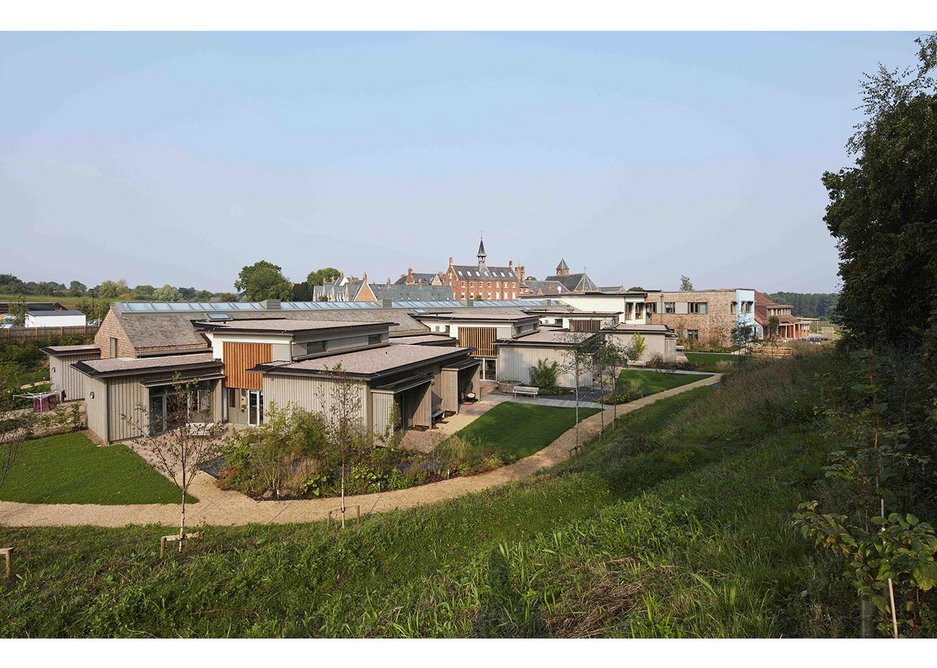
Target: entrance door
157, 412
255, 407
403, 414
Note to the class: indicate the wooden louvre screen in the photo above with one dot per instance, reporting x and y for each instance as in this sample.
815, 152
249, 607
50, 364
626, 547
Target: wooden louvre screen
480, 338
238, 357
584, 325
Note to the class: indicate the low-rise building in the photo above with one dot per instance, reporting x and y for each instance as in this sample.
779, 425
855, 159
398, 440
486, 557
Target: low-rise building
703, 317
659, 340
56, 318
517, 355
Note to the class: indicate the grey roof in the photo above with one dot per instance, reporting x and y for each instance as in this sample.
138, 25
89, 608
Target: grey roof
500, 315
120, 364
574, 282
562, 265
471, 272
544, 287
624, 328
371, 361
283, 325
44, 313
434, 339
71, 350
149, 330
417, 277
550, 336
412, 292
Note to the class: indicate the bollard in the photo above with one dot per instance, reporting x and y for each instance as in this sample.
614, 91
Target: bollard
7, 553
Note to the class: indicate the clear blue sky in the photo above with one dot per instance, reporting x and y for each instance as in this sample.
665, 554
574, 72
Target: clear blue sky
180, 157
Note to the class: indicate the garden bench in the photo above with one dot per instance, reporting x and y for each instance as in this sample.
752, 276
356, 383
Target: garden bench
526, 391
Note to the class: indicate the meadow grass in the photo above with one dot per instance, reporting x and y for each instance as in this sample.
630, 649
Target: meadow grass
666, 527
711, 361
516, 430
69, 468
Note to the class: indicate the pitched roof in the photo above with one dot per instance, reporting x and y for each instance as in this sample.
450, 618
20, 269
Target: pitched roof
413, 292
370, 361
574, 282
481, 248
562, 265
468, 272
111, 365
427, 278
148, 330
544, 287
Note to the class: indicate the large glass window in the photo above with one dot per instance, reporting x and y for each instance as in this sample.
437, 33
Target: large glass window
701, 308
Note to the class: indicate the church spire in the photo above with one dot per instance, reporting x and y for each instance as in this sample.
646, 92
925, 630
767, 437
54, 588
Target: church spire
481, 253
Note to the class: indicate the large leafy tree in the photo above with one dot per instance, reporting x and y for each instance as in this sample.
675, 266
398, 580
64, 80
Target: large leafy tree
263, 280
883, 211
322, 276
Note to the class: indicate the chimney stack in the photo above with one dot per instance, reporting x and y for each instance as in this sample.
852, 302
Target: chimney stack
520, 273
409, 275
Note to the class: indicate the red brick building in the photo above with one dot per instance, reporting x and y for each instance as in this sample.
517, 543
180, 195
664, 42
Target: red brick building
482, 282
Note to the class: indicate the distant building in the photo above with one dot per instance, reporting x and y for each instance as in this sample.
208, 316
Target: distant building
342, 289
789, 325
62, 318
575, 283
411, 278
412, 292
482, 282
705, 317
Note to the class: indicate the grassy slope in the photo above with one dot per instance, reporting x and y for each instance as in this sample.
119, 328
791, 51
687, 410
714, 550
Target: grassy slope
651, 382
632, 538
69, 468
519, 430
709, 361
70, 302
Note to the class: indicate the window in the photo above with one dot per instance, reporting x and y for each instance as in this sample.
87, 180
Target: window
670, 307
232, 397
374, 339
700, 308
733, 307
747, 307
113, 346
651, 307
692, 335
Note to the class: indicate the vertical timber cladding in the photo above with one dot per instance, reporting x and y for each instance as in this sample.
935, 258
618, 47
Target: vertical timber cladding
238, 357
480, 338
585, 325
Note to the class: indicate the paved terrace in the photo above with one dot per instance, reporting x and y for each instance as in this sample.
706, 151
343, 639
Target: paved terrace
220, 507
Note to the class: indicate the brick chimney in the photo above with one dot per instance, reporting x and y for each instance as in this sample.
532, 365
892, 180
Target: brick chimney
409, 275
388, 280
520, 273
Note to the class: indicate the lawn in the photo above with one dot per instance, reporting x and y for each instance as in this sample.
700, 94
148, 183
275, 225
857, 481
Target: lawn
657, 530
651, 382
516, 430
69, 468
711, 361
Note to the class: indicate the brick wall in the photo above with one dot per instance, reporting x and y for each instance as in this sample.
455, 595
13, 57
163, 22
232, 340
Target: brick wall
110, 327
715, 327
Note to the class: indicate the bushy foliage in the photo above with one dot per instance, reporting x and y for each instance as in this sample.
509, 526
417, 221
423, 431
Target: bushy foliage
544, 374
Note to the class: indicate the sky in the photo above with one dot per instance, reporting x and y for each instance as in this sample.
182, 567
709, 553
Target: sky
639, 157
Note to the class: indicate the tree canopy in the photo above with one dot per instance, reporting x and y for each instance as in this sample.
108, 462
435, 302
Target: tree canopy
322, 276
263, 280
883, 211
685, 283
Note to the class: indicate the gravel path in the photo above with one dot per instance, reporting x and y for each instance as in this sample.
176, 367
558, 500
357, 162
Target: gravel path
220, 507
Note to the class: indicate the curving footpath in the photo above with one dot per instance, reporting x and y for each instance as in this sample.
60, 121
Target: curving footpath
220, 507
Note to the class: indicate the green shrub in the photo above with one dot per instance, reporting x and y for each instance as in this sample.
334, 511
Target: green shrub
544, 374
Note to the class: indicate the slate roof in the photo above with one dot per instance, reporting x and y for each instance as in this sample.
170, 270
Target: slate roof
412, 293
487, 314
44, 313
472, 272
434, 339
426, 278
575, 282
281, 325
370, 361
624, 328
544, 287
149, 330
122, 364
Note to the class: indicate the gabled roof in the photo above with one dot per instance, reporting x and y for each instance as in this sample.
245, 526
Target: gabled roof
412, 292
472, 272
427, 278
370, 362
562, 266
575, 282
544, 287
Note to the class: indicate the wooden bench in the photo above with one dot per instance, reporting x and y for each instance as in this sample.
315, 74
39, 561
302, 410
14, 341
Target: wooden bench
526, 391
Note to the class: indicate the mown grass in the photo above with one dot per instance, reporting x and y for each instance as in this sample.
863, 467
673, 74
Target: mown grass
651, 382
69, 468
667, 528
516, 430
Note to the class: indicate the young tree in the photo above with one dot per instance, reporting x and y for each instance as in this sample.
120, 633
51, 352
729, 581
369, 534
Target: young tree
578, 358
685, 283
346, 428
774, 322
742, 335
635, 348
179, 445
167, 293
77, 289
18, 312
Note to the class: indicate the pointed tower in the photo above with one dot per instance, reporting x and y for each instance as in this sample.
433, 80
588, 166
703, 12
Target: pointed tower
481, 253
562, 269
